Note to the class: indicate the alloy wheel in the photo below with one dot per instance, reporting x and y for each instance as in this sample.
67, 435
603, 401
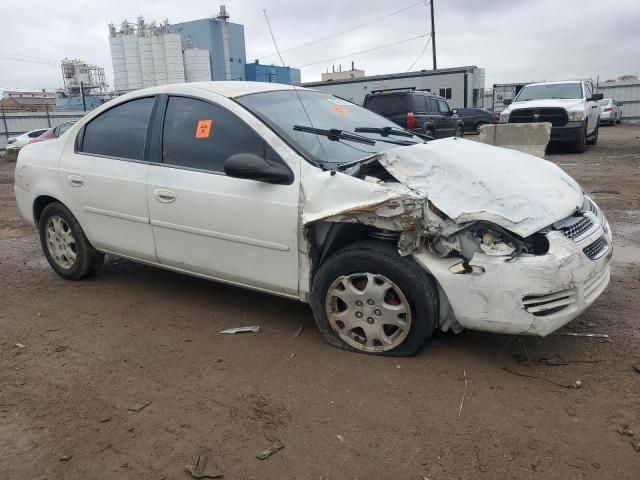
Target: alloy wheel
60, 242
368, 311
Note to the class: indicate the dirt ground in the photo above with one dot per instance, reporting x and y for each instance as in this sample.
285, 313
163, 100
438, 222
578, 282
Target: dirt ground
134, 334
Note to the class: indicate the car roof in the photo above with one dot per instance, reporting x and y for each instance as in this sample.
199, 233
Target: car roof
555, 83
405, 92
231, 89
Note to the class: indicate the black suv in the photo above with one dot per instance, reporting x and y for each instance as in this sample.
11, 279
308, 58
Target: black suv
417, 111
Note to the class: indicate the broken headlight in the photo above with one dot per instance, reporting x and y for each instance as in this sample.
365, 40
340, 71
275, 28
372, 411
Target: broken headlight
482, 237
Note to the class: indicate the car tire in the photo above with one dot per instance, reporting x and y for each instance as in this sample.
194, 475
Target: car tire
367, 298
612, 123
65, 245
459, 132
478, 125
594, 137
430, 132
581, 144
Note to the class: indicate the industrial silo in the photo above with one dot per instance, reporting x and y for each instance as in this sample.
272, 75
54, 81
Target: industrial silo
146, 62
132, 60
197, 66
159, 59
116, 44
173, 55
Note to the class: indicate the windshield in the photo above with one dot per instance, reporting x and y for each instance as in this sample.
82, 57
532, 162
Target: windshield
282, 111
553, 90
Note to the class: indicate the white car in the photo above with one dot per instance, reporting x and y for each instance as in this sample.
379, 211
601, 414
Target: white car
22, 140
610, 111
571, 108
386, 236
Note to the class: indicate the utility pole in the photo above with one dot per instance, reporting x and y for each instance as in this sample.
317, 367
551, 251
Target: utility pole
433, 37
84, 105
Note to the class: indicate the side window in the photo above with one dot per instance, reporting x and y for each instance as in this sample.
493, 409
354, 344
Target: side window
433, 105
200, 135
420, 103
442, 106
119, 132
587, 90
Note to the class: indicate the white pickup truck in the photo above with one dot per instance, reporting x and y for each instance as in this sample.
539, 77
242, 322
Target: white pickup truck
571, 107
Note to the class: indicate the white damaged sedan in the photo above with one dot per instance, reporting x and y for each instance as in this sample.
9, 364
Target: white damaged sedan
301, 194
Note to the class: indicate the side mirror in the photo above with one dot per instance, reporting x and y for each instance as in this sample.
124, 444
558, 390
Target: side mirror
253, 167
507, 101
595, 97
454, 111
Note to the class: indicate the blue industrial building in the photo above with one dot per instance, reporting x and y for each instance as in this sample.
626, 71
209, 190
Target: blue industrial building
257, 72
227, 55
211, 33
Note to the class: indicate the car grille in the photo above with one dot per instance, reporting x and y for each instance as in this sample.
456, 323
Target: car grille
596, 249
575, 230
544, 305
556, 116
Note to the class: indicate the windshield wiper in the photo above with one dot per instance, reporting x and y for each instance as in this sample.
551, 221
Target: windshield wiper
335, 134
384, 131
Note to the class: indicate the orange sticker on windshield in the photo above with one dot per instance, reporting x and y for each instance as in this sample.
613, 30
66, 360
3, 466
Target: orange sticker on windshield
203, 129
339, 110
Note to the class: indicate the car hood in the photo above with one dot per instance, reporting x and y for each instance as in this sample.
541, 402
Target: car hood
566, 103
471, 181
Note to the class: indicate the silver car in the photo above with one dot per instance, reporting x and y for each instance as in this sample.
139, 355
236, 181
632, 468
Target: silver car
610, 111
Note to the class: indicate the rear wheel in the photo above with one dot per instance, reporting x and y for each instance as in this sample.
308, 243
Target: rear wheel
65, 245
478, 125
369, 299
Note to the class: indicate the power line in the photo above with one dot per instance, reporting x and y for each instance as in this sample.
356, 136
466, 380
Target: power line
313, 42
419, 56
366, 51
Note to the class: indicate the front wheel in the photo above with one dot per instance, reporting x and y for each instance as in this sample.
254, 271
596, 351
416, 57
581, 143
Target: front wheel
459, 132
594, 138
369, 299
581, 144
65, 245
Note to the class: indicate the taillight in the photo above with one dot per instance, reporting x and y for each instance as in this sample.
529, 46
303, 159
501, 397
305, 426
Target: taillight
608, 109
411, 120
495, 117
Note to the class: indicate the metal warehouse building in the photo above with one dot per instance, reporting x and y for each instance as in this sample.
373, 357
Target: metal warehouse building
462, 86
627, 92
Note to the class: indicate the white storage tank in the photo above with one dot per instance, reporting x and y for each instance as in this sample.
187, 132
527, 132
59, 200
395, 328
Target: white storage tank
159, 59
173, 55
146, 62
197, 66
132, 59
120, 81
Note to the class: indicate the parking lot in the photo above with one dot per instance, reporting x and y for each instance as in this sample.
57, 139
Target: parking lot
79, 359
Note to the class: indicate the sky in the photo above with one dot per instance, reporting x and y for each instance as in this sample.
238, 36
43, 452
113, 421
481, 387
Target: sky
513, 40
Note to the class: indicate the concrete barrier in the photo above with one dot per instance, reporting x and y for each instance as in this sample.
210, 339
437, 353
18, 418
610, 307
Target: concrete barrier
12, 154
531, 138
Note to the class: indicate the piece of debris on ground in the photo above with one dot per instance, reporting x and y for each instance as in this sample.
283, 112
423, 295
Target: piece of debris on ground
276, 447
254, 329
203, 467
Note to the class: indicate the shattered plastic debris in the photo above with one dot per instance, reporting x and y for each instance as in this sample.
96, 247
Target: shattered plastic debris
582, 334
276, 447
254, 329
139, 406
202, 467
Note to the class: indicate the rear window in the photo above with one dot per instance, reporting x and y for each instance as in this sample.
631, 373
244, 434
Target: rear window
605, 101
387, 104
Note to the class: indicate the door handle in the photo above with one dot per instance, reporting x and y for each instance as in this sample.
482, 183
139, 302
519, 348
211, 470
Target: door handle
165, 196
75, 180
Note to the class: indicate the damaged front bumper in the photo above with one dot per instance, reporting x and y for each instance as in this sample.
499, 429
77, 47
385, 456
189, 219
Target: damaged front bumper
533, 294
